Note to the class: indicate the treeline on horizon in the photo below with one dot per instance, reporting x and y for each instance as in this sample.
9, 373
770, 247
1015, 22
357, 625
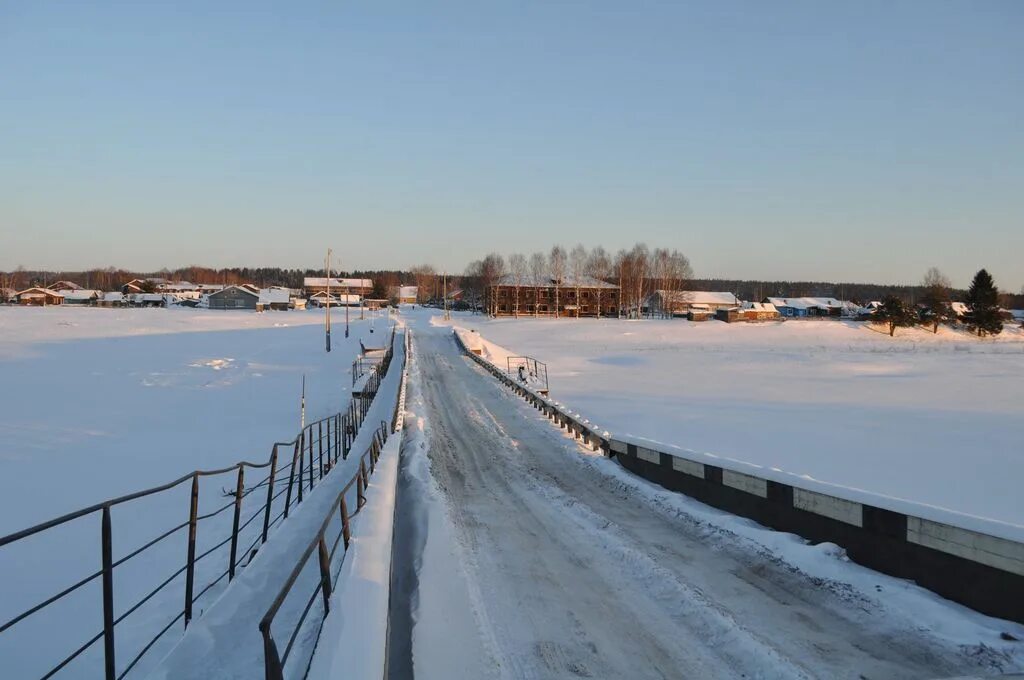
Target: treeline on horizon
112, 278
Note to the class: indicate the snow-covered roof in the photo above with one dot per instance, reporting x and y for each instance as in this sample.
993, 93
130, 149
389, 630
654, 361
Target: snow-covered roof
806, 302
321, 282
548, 281
81, 294
758, 307
698, 297
36, 291
959, 307
322, 297
407, 291
113, 297
64, 285
244, 289
274, 296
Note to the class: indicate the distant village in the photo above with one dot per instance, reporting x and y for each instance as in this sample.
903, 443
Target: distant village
506, 296
159, 292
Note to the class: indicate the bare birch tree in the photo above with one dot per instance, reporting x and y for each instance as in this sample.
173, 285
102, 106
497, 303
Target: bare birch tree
518, 269
599, 266
538, 275
493, 270
577, 269
557, 262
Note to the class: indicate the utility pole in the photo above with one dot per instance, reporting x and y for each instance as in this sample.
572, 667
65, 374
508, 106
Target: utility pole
346, 307
302, 405
447, 314
327, 270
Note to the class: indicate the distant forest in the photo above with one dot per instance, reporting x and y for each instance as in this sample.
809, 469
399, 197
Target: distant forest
112, 278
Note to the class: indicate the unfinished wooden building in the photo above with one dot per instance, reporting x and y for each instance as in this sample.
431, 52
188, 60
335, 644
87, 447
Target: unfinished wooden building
548, 296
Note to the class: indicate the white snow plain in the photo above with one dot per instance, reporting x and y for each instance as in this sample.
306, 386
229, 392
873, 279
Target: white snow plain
97, 403
933, 419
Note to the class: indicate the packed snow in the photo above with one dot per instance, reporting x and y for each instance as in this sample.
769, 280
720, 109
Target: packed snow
933, 419
97, 403
534, 557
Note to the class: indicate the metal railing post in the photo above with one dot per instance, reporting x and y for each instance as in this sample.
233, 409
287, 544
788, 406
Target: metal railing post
239, 486
291, 479
345, 530
272, 669
361, 486
310, 457
190, 565
320, 445
270, 492
302, 461
107, 546
325, 574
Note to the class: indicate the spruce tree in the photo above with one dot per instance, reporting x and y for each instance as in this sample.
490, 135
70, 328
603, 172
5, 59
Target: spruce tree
894, 313
983, 315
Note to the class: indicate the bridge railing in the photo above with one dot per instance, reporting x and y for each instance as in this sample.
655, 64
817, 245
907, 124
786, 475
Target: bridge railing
335, 530
293, 469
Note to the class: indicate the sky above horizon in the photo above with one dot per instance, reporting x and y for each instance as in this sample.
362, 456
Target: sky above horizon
796, 140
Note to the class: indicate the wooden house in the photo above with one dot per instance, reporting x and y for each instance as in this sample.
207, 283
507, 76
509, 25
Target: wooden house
683, 302
38, 297
233, 297
548, 296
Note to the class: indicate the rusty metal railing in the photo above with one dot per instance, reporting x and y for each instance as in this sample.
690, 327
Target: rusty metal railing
327, 570
315, 451
355, 491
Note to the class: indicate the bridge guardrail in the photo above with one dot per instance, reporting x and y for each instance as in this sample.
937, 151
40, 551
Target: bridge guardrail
354, 490
982, 570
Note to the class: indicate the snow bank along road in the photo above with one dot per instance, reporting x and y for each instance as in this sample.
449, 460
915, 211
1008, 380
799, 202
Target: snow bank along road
560, 565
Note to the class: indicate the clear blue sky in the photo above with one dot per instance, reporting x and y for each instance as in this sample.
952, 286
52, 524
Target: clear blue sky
797, 140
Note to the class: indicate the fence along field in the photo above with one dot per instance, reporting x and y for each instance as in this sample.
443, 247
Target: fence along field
167, 579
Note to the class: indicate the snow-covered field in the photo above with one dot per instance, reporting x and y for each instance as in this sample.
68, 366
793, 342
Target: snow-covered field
97, 403
932, 419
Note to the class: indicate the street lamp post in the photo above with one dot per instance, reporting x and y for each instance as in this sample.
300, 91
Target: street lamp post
327, 270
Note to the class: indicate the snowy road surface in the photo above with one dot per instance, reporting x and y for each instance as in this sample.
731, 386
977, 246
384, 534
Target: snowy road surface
537, 561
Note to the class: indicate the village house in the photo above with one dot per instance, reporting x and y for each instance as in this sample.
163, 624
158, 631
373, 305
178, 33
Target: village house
111, 299
318, 284
38, 297
275, 298
804, 307
748, 312
548, 296
335, 299
233, 297
404, 295
698, 303
146, 300
81, 296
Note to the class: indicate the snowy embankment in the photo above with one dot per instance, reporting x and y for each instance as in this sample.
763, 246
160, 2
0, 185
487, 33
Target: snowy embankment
227, 639
936, 420
102, 402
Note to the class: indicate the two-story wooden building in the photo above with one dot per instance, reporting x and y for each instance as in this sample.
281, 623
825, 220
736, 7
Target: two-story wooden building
548, 296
